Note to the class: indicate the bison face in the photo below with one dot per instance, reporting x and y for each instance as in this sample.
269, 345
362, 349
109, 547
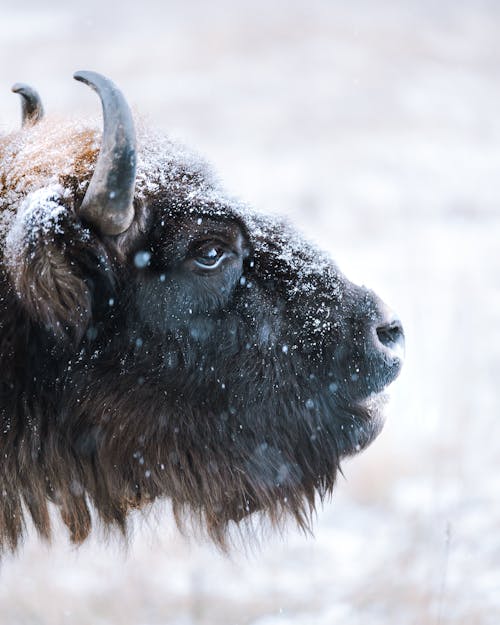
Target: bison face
184, 346
217, 302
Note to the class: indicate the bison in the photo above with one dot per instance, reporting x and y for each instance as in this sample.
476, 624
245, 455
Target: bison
160, 340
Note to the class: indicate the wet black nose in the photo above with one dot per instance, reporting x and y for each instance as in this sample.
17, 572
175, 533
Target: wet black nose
387, 339
387, 351
391, 334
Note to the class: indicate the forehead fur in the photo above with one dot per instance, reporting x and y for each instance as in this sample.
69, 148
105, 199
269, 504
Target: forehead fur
55, 152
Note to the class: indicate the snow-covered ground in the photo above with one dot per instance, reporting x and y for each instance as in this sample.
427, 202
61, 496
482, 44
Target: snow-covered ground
376, 127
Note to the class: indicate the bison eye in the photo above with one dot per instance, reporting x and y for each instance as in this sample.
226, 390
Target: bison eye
210, 255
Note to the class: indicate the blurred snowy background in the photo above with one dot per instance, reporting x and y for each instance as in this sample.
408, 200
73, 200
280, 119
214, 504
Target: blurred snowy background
376, 127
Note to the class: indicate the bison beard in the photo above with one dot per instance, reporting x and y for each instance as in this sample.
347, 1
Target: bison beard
160, 340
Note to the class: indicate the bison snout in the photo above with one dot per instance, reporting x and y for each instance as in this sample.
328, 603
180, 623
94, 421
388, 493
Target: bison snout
386, 340
391, 337
384, 344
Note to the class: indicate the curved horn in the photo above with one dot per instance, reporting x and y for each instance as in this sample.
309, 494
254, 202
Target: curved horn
108, 202
32, 109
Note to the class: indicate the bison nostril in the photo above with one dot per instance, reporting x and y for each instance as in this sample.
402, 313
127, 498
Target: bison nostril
391, 334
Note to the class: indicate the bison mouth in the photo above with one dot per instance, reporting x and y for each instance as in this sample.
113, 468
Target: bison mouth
375, 364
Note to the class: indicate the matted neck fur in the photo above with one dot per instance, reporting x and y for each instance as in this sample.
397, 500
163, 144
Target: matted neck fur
207, 354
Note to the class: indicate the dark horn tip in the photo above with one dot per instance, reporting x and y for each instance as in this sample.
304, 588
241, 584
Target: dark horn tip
92, 79
83, 75
25, 90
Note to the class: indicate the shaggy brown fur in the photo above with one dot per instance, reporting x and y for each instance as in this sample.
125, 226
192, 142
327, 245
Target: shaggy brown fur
132, 370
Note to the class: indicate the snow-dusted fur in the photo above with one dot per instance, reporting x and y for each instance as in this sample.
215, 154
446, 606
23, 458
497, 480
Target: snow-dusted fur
129, 373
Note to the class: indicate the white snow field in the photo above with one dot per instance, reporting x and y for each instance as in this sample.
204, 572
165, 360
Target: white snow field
376, 127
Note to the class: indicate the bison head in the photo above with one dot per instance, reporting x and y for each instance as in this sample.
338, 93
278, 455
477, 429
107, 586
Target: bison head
158, 339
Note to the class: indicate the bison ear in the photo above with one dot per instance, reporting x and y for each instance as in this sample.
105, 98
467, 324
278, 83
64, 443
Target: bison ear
42, 249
